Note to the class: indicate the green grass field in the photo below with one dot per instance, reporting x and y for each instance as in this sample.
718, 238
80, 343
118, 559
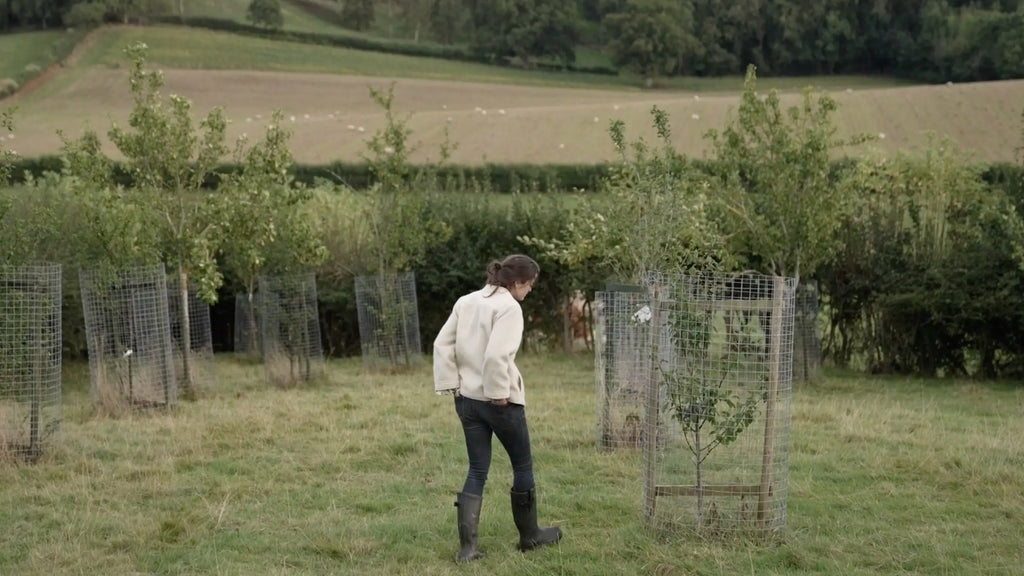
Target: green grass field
196, 49
295, 18
356, 475
27, 48
316, 16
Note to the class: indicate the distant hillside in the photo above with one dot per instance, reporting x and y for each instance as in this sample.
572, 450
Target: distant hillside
933, 41
503, 122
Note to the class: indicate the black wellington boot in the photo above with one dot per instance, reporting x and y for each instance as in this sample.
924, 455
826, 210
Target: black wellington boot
524, 513
469, 518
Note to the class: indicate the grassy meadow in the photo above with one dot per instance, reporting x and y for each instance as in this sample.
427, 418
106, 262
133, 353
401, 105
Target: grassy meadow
295, 18
27, 49
356, 475
189, 48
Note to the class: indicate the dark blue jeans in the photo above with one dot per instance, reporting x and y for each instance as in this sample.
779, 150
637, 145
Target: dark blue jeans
479, 421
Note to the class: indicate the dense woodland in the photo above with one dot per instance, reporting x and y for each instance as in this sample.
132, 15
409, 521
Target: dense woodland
931, 40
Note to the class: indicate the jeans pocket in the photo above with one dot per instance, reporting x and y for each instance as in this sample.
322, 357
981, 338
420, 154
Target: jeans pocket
511, 413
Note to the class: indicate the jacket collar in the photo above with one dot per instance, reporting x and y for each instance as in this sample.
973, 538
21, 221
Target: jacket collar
492, 290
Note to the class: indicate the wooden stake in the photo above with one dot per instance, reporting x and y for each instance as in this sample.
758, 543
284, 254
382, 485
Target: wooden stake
650, 494
775, 354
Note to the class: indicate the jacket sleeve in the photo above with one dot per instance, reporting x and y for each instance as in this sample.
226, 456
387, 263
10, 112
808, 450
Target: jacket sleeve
446, 370
506, 335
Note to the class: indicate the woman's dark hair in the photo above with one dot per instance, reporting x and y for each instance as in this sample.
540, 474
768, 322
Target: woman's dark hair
514, 268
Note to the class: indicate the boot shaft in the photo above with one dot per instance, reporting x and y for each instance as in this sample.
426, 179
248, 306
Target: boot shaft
524, 514
468, 517
524, 511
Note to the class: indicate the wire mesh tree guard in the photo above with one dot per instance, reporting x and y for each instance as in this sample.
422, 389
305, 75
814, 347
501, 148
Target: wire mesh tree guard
707, 362
30, 359
806, 339
621, 367
389, 325
247, 324
193, 358
131, 356
290, 328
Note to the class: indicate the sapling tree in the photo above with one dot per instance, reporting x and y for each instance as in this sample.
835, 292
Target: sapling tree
656, 218
774, 169
400, 223
700, 393
115, 230
170, 160
401, 227
265, 228
657, 226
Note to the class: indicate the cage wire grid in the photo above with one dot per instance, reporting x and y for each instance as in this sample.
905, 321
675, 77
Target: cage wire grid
131, 358
715, 397
622, 368
247, 322
806, 333
389, 327
196, 369
30, 359
290, 328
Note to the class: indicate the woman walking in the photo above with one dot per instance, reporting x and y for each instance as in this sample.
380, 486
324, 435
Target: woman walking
474, 359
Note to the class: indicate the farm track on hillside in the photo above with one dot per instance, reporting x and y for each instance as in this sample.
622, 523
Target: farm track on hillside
36, 81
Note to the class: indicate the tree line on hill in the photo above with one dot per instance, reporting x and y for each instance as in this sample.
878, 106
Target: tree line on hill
929, 40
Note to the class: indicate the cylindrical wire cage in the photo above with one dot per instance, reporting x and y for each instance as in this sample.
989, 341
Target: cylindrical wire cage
389, 326
30, 359
718, 404
290, 329
193, 357
131, 357
247, 326
621, 366
806, 335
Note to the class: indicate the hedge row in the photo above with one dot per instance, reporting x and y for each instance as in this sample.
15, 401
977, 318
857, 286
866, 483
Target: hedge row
495, 177
405, 48
357, 175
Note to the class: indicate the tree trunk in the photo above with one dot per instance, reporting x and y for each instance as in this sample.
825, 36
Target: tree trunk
771, 395
254, 348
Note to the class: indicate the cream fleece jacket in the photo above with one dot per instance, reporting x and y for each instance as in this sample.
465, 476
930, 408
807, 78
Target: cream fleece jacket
475, 351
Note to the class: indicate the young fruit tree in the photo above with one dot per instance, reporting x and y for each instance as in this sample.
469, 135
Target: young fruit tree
773, 167
401, 229
265, 228
170, 160
655, 219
